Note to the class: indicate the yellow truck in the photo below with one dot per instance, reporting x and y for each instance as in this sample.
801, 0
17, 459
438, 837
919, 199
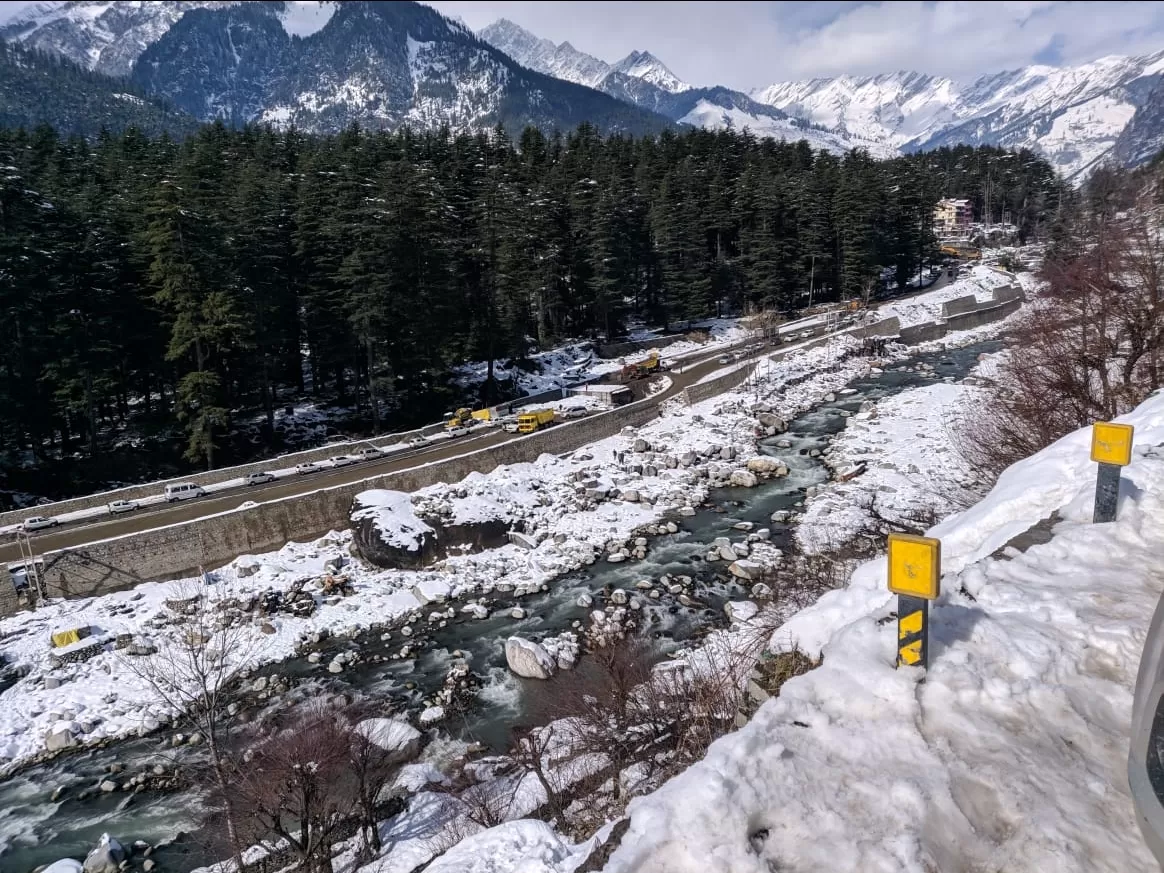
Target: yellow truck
535, 419
465, 417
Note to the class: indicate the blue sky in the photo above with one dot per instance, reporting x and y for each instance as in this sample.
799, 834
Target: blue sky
751, 44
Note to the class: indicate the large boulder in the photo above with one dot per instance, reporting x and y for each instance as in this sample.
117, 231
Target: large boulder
389, 532
61, 735
749, 571
528, 659
765, 466
106, 857
65, 865
769, 419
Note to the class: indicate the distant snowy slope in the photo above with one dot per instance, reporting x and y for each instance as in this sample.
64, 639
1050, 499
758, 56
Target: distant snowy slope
643, 80
1073, 115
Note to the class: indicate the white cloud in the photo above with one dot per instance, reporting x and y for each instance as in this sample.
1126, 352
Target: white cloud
745, 45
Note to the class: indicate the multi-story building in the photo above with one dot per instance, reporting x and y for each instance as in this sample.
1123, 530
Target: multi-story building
952, 215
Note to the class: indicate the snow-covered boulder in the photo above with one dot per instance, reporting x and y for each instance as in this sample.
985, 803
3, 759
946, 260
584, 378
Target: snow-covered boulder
388, 530
749, 571
769, 419
528, 659
106, 857
740, 610
392, 735
765, 466
65, 865
61, 735
527, 845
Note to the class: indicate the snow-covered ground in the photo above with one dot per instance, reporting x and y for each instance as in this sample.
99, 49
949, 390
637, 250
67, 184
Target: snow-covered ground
980, 282
1011, 755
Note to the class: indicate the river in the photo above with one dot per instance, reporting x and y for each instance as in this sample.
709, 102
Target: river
36, 830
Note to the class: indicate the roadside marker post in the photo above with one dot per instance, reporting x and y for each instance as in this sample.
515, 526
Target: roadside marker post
915, 574
1111, 448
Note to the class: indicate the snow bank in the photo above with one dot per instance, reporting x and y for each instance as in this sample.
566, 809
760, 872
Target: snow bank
526, 846
980, 283
389, 734
1011, 755
392, 515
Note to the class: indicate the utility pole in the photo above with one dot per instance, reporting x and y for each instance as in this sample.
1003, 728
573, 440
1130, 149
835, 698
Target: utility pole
811, 278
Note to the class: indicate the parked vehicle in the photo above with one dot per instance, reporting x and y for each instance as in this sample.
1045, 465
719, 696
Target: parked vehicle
456, 430
118, 506
342, 460
725, 359
535, 419
575, 412
418, 440
183, 491
367, 453
306, 467
258, 478
39, 522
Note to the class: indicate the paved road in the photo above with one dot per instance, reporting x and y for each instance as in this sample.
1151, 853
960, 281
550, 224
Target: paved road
162, 514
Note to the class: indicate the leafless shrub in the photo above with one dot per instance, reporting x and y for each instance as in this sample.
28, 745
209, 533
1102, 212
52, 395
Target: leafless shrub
191, 676
1087, 349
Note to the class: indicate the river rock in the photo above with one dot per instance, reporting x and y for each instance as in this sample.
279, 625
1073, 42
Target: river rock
108, 786
616, 558
630, 496
432, 715
51, 683
618, 597
585, 601
65, 865
741, 610
336, 666
760, 590
517, 613
392, 735
641, 445
780, 516
687, 459
728, 453
644, 585
60, 736
769, 419
314, 658
743, 479
743, 525
106, 857
764, 466
747, 570
528, 659
686, 511
148, 865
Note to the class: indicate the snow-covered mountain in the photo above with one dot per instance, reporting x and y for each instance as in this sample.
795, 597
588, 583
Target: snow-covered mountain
642, 79
105, 37
1072, 115
318, 65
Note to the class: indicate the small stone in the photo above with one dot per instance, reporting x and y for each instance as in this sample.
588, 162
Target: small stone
335, 667
148, 864
314, 658
517, 613
108, 786
585, 601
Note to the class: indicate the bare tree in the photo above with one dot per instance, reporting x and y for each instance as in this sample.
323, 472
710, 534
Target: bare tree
191, 675
1087, 348
295, 785
542, 752
372, 767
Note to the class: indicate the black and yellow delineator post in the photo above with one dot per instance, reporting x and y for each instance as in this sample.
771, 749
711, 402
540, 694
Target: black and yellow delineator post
915, 571
1111, 448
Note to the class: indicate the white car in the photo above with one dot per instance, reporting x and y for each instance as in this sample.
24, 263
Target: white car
39, 522
306, 467
367, 453
574, 412
510, 427
258, 478
418, 440
459, 430
724, 359
122, 506
342, 460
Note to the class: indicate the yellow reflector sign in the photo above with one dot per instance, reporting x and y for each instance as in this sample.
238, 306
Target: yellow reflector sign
915, 565
1111, 443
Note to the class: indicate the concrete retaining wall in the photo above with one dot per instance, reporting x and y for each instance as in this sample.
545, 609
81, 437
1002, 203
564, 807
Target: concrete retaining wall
969, 303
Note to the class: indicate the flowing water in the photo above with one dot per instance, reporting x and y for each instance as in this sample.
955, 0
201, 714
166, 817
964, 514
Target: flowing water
36, 830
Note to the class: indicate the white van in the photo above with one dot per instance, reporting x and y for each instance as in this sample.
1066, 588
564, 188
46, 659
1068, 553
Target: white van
183, 491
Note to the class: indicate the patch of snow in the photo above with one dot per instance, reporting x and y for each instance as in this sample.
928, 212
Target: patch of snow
304, 17
393, 516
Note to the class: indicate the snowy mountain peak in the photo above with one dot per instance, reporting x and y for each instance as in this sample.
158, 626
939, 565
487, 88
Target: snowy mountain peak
100, 35
645, 66
560, 61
